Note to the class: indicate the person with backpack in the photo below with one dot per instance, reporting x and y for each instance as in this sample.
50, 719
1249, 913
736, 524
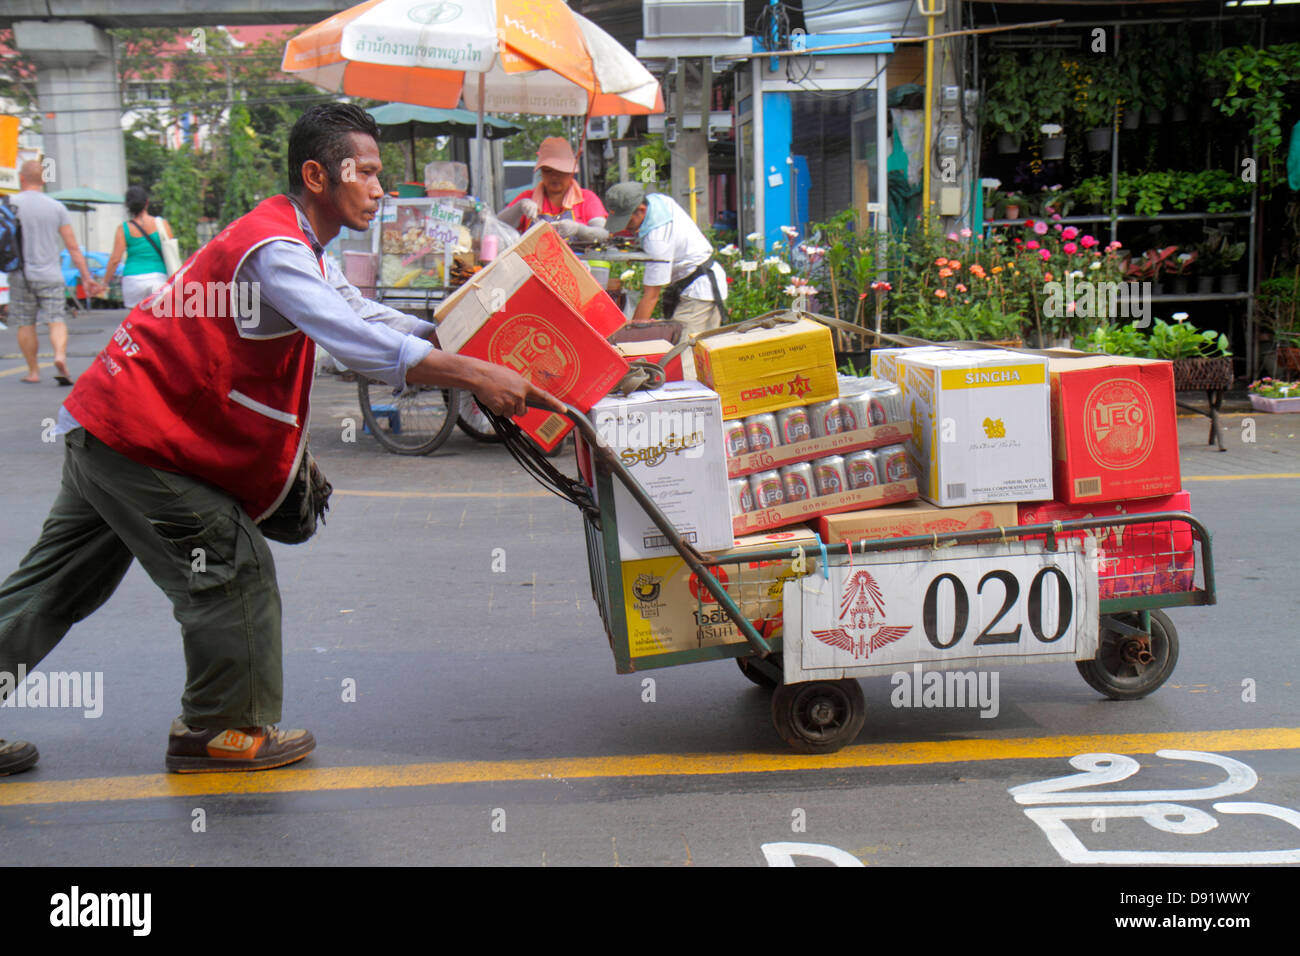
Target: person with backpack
37, 292
140, 240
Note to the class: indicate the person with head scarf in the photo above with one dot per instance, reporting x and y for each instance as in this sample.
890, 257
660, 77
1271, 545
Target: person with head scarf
576, 213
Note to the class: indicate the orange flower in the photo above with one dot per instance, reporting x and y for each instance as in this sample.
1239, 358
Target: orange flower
977, 270
954, 263
945, 273
941, 261
997, 269
939, 293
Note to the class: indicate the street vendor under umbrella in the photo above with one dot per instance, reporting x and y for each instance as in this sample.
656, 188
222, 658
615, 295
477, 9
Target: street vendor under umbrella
576, 213
682, 270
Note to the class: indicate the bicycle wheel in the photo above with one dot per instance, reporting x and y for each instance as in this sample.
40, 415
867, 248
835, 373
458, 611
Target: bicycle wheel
415, 421
473, 422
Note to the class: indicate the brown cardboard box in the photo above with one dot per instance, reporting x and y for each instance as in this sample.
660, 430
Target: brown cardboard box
913, 518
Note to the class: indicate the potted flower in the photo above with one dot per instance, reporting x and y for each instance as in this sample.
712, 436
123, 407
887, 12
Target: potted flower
1011, 209
1202, 361
1276, 302
1270, 395
1053, 90
1181, 267
1219, 258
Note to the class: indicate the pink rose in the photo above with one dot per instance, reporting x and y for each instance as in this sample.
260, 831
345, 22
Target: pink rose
1040, 227
1069, 232
1070, 248
1045, 253
1031, 244
1088, 242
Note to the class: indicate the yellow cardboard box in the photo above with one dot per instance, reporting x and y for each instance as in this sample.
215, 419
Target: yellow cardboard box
762, 370
668, 610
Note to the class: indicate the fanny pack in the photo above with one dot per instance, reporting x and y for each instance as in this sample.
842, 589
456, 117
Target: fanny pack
306, 503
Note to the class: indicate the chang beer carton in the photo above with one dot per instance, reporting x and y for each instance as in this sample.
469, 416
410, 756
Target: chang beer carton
766, 369
981, 425
670, 440
668, 609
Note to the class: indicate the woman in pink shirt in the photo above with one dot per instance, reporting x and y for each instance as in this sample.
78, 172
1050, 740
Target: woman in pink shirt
575, 212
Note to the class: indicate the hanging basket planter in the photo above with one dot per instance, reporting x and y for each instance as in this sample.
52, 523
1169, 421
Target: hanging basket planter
1054, 147
1098, 139
1009, 143
1132, 119
1202, 374
1152, 116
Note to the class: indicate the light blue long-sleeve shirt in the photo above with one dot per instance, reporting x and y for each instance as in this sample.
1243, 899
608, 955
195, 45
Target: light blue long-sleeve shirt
370, 338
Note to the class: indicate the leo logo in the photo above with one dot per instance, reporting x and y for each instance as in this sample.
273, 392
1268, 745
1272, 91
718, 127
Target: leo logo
536, 349
994, 428
700, 592
863, 609
646, 588
431, 13
1118, 416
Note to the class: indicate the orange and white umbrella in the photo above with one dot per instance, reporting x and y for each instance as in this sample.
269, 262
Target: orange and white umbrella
497, 56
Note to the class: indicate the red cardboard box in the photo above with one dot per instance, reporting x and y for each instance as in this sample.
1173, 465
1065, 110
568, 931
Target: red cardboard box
1114, 429
551, 260
1155, 558
510, 317
652, 350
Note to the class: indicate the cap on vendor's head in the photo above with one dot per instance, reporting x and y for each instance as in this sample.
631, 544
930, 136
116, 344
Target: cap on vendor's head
556, 153
621, 201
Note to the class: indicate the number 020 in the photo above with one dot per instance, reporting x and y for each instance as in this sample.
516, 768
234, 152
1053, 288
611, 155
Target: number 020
1011, 593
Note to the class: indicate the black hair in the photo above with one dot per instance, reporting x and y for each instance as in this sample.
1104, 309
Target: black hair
321, 134
137, 199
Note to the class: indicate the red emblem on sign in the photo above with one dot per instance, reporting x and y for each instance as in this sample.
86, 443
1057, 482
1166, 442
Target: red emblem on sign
860, 607
703, 594
1118, 424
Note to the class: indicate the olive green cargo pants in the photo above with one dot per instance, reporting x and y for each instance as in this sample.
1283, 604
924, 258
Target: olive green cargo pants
195, 541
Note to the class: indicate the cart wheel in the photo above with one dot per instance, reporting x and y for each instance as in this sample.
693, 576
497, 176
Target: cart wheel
473, 422
757, 676
1121, 670
414, 422
819, 716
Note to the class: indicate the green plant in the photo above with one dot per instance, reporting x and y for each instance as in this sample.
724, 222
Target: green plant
1180, 340
1052, 90
1217, 255
1098, 84
1258, 85
1007, 97
1116, 340
1151, 190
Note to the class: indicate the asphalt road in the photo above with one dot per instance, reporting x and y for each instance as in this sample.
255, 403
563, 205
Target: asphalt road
489, 727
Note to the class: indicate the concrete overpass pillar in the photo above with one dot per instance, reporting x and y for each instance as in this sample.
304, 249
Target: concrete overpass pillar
81, 110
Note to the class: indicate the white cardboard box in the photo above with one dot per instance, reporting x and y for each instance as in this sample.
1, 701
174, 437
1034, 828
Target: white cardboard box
670, 439
981, 425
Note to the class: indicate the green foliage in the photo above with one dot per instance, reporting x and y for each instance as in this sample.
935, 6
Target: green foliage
1007, 98
179, 197
1259, 80
1167, 340
246, 172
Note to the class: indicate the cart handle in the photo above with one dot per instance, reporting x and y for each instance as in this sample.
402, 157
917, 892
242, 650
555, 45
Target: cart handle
606, 461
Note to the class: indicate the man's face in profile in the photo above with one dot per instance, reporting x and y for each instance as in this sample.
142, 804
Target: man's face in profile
354, 189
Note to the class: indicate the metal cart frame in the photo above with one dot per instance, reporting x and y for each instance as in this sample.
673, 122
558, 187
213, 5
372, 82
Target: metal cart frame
1129, 624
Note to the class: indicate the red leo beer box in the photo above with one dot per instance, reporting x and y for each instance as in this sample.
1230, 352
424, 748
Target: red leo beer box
1153, 558
511, 315
1114, 428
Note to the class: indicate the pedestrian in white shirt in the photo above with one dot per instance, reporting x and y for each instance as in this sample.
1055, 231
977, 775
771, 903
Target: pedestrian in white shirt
682, 270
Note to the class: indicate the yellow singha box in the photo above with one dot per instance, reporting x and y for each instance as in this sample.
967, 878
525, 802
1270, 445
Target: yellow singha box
763, 370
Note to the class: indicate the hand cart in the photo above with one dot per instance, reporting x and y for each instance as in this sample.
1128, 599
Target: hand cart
1121, 641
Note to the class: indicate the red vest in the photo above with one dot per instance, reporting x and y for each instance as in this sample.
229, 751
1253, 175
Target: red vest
179, 389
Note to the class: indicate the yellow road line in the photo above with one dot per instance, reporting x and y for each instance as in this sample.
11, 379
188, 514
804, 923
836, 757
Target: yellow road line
292, 780
23, 368
444, 494
1266, 476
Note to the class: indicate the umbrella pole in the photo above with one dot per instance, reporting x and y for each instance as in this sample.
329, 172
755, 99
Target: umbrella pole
478, 132
410, 162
